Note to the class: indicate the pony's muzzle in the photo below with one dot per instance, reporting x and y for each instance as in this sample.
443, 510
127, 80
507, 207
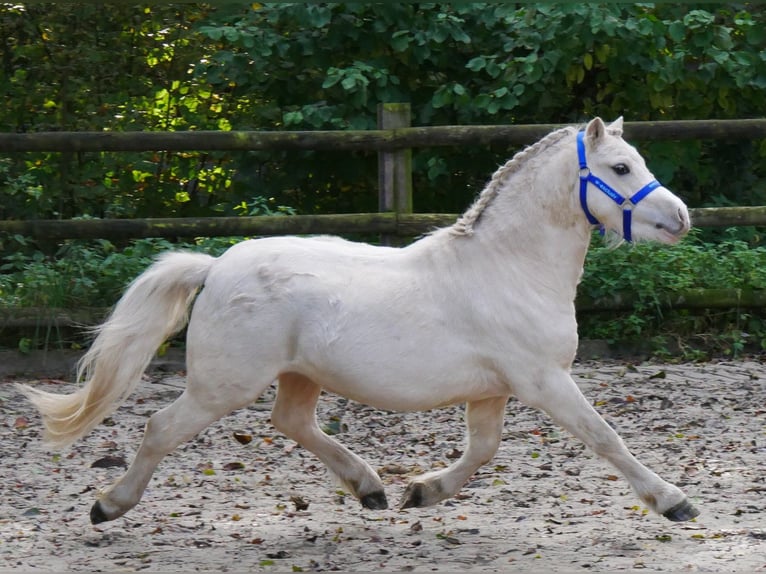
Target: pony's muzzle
673, 229
680, 226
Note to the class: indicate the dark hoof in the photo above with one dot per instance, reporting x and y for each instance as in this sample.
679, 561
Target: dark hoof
681, 512
97, 515
413, 496
375, 500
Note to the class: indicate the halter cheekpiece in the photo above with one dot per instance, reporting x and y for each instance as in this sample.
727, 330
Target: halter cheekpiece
586, 177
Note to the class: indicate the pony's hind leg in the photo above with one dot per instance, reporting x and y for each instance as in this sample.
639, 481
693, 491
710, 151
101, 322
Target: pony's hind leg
484, 422
189, 414
560, 397
294, 414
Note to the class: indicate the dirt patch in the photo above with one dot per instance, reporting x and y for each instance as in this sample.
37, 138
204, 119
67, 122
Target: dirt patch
543, 504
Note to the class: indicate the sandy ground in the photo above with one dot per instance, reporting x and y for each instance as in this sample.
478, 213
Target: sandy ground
544, 504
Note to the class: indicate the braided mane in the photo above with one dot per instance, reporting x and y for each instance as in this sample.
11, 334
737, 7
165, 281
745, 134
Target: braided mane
464, 225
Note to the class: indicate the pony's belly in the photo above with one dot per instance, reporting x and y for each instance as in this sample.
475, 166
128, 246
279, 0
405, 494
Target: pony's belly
406, 381
406, 398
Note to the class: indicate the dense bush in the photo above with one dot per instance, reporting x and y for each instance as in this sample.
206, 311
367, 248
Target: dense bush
648, 274
93, 274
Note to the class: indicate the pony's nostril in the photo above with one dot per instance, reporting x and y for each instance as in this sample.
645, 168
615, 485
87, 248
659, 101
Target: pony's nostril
683, 218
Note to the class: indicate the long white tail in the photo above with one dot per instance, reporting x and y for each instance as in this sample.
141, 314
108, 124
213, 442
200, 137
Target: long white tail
154, 306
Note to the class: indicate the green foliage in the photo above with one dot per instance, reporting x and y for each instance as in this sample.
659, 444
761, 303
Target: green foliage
87, 274
261, 206
327, 66
23, 195
651, 273
80, 67
78, 275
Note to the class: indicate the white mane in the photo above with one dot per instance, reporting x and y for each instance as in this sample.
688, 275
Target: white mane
464, 225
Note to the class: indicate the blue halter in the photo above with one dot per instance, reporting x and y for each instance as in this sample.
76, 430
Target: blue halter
627, 206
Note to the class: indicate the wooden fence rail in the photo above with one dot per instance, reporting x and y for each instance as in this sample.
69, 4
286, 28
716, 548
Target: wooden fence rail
367, 140
393, 142
26, 317
389, 224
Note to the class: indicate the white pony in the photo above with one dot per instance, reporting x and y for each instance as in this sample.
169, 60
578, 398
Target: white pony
472, 313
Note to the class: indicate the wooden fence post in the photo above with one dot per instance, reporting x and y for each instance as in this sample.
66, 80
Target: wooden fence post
394, 167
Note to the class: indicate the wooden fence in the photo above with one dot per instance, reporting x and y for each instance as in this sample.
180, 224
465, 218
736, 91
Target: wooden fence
393, 142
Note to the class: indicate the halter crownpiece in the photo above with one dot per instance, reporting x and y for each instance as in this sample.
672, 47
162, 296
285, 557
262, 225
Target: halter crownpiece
586, 177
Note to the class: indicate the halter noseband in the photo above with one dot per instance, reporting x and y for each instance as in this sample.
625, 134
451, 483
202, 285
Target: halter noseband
587, 177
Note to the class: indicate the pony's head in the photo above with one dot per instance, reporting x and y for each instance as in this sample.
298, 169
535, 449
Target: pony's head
618, 192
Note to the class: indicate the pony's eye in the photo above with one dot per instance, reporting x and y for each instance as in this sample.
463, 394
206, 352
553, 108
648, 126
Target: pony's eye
621, 169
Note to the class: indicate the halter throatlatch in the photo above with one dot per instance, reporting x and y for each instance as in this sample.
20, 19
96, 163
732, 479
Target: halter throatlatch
627, 204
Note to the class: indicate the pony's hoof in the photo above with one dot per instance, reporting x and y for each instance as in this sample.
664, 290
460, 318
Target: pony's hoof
375, 500
681, 512
97, 515
413, 496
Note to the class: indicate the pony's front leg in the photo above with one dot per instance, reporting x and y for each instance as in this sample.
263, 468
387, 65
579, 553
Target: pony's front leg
294, 414
484, 422
560, 397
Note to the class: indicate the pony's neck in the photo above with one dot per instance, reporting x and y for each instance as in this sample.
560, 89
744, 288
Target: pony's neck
533, 216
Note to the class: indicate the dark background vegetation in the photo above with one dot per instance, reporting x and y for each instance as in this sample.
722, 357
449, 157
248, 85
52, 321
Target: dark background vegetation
250, 66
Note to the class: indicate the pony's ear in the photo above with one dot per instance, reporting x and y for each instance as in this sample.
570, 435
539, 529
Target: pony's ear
595, 130
616, 127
